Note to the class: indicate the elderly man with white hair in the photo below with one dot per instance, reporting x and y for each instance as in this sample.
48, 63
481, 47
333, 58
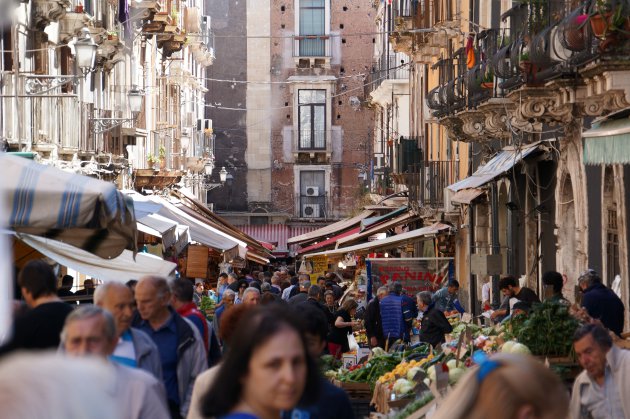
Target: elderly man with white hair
90, 331
134, 348
251, 296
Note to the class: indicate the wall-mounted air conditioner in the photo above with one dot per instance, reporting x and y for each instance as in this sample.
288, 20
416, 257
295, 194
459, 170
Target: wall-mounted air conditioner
310, 210
312, 191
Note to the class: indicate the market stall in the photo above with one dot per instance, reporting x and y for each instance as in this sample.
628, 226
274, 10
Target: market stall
409, 381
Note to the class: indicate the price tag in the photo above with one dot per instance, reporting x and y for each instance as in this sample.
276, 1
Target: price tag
421, 386
466, 318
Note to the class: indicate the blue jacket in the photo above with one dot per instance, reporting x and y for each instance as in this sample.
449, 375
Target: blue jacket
602, 303
392, 319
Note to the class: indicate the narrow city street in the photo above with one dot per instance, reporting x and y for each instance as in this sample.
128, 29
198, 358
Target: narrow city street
315, 209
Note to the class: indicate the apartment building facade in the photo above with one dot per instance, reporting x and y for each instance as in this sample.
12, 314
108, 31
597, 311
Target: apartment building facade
303, 133
538, 91
132, 113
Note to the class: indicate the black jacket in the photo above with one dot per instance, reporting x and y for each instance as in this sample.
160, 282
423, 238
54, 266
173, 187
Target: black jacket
434, 326
602, 303
373, 327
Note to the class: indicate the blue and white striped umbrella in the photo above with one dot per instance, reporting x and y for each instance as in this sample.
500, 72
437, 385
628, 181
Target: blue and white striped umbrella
84, 212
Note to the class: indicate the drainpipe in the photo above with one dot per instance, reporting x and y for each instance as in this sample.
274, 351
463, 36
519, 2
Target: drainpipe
471, 250
496, 246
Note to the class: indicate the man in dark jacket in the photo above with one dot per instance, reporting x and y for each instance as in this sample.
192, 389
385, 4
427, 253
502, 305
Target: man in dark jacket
180, 345
373, 327
601, 302
301, 296
434, 324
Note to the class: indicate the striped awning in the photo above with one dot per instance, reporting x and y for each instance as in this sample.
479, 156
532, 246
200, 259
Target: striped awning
608, 143
82, 211
334, 228
387, 243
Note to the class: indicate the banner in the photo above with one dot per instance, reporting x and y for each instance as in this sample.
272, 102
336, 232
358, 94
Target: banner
320, 265
415, 274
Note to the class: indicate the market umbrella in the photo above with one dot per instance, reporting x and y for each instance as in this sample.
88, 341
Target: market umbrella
82, 211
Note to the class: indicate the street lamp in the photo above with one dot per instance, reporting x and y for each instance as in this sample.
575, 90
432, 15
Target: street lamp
207, 168
135, 96
223, 174
85, 51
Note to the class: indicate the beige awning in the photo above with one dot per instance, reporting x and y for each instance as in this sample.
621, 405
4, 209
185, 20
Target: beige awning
331, 229
466, 196
401, 219
387, 243
119, 269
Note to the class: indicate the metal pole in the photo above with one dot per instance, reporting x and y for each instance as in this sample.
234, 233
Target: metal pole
16, 73
496, 246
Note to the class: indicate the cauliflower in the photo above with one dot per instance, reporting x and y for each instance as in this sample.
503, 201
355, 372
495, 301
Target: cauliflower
403, 386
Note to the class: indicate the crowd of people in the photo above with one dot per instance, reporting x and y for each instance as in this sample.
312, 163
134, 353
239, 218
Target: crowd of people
159, 356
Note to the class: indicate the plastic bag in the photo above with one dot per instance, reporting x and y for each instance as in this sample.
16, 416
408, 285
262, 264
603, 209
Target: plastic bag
352, 343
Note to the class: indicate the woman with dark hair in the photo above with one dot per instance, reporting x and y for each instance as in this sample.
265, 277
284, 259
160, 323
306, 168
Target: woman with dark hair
267, 369
338, 338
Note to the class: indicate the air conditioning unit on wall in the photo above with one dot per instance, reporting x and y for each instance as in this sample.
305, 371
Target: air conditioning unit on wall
310, 210
312, 191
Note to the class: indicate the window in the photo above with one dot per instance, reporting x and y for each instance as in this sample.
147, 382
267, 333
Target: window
312, 119
312, 201
312, 22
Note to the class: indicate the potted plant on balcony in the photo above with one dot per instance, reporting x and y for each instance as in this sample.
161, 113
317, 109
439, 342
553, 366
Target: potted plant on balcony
152, 161
112, 36
162, 157
523, 62
488, 80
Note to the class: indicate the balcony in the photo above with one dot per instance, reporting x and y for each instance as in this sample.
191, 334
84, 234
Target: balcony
312, 146
312, 207
390, 73
409, 15
427, 180
47, 122
146, 9
311, 51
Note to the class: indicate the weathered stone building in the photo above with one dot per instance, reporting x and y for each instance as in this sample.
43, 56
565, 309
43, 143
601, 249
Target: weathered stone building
307, 132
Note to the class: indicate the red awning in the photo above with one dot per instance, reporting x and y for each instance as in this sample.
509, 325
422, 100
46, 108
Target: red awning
330, 241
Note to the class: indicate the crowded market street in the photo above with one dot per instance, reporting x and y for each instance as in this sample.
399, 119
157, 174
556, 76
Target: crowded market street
314, 209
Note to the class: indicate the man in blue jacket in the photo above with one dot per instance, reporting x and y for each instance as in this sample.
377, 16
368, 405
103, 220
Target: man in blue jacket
601, 302
392, 319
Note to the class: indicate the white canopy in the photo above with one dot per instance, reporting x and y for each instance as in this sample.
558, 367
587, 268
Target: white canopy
159, 226
200, 231
119, 269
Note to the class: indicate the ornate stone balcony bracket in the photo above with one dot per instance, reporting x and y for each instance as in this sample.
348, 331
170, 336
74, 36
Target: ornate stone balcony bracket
605, 103
540, 105
47, 11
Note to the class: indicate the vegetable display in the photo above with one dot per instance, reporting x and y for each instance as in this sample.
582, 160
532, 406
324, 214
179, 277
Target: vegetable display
548, 330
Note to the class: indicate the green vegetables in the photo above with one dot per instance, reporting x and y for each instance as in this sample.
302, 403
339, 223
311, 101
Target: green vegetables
328, 362
371, 370
548, 331
414, 406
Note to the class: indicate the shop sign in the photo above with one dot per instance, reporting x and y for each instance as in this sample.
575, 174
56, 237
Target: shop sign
415, 274
320, 265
